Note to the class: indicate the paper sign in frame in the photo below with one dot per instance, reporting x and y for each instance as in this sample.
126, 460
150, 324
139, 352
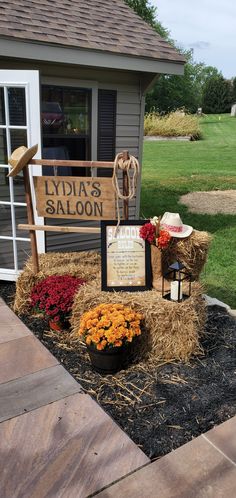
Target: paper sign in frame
104, 259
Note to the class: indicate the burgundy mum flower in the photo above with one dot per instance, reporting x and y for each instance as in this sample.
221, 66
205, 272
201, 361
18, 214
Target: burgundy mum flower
54, 296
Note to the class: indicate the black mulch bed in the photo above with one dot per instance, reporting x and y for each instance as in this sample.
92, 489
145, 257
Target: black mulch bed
159, 408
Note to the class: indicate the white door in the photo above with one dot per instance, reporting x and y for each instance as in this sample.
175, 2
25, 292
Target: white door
19, 125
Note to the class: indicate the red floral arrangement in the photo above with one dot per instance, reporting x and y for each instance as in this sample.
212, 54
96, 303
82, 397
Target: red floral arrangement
53, 296
154, 234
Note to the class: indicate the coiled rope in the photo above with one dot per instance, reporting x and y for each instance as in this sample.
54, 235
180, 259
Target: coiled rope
132, 168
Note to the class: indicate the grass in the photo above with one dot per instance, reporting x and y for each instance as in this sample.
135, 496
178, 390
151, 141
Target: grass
174, 124
171, 169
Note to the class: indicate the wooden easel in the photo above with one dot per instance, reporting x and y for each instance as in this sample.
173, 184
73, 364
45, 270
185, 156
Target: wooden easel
50, 228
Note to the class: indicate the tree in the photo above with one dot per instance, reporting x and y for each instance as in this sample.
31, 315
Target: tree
201, 74
149, 14
217, 95
234, 91
172, 92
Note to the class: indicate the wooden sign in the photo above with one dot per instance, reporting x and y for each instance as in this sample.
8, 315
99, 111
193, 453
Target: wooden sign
126, 263
84, 198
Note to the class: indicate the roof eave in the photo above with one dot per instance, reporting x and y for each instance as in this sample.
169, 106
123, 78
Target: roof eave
29, 50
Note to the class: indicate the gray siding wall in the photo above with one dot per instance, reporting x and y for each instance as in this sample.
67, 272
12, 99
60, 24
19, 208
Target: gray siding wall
129, 129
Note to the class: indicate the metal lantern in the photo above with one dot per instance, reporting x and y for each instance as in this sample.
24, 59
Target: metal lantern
177, 274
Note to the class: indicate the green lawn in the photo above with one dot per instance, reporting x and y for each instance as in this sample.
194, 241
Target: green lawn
171, 169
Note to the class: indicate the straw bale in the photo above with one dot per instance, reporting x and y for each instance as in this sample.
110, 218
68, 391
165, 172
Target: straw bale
84, 264
171, 330
192, 252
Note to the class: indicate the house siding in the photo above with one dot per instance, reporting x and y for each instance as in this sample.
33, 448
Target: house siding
129, 113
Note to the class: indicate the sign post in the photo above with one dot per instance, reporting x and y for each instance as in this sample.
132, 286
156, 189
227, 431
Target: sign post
83, 198
30, 215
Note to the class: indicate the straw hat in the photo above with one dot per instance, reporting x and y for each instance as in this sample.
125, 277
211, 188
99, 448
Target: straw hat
174, 225
20, 157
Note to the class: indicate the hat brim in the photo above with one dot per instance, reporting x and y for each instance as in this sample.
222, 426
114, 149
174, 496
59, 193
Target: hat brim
24, 156
187, 230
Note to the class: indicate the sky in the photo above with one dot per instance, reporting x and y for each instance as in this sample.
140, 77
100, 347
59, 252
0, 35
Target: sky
206, 26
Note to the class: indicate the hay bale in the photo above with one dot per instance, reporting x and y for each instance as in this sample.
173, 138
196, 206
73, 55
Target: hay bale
78, 264
172, 330
192, 252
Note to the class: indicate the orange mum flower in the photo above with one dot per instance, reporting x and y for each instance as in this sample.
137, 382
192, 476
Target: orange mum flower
110, 325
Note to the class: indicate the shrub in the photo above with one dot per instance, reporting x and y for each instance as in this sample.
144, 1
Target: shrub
53, 296
174, 124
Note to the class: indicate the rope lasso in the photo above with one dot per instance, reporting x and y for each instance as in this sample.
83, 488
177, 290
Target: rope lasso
120, 164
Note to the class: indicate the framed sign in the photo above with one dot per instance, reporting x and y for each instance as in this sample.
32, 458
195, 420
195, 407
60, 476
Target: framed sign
126, 262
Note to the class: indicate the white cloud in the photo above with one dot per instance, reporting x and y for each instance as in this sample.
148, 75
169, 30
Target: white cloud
202, 45
206, 26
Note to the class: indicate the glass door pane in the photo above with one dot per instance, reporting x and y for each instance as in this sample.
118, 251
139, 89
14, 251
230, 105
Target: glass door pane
6, 254
3, 146
2, 107
17, 106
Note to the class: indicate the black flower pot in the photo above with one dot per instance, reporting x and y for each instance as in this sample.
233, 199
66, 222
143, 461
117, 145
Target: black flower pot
108, 361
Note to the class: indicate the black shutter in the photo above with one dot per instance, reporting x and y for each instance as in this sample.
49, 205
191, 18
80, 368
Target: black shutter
106, 125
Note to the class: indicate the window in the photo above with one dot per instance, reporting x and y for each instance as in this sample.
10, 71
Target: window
66, 125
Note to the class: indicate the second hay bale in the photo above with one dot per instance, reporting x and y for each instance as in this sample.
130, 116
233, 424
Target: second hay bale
172, 330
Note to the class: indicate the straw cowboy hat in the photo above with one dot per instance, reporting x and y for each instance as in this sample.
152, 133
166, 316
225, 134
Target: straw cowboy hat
174, 225
20, 157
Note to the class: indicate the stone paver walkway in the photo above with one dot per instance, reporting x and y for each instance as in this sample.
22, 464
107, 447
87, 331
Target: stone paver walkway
56, 442
202, 468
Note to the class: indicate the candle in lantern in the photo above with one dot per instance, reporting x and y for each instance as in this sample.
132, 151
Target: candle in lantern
174, 291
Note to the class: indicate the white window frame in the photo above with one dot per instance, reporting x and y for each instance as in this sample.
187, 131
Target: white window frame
30, 81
